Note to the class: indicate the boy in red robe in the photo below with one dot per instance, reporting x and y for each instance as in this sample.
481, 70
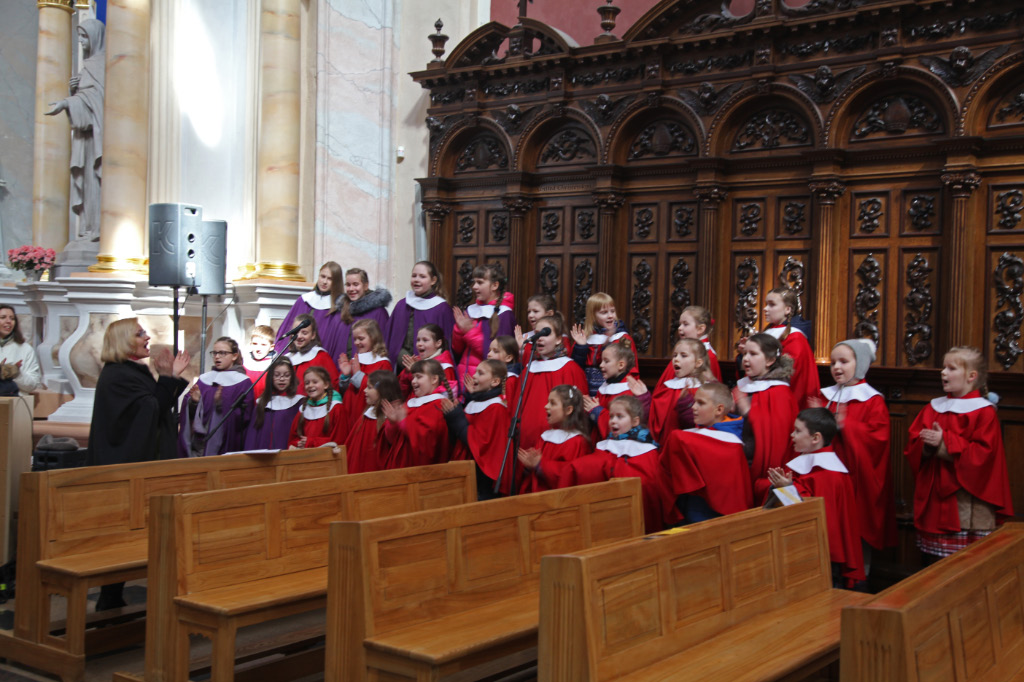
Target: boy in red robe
817, 472
706, 465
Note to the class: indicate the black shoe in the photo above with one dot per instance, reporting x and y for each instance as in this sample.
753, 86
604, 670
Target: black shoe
107, 602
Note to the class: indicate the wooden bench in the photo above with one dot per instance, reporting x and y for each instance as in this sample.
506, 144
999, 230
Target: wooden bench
81, 528
454, 592
739, 598
223, 560
959, 619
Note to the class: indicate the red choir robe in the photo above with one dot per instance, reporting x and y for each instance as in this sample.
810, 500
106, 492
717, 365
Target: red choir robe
670, 371
511, 388
822, 474
487, 436
606, 393
314, 355
665, 407
447, 364
863, 446
254, 370
355, 396
424, 434
804, 383
628, 459
544, 376
558, 449
771, 417
528, 347
367, 447
313, 428
970, 430
710, 464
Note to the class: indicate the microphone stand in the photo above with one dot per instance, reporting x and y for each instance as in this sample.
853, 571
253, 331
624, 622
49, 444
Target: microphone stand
513, 429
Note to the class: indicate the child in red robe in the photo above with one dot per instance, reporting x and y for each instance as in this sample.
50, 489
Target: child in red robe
863, 441
706, 465
424, 433
961, 486
672, 403
780, 306
538, 306
505, 350
566, 440
371, 356
549, 367
602, 326
695, 322
617, 360
260, 356
767, 405
430, 345
629, 451
321, 419
305, 351
817, 472
480, 428
371, 436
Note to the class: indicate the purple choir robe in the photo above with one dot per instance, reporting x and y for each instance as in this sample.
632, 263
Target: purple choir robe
277, 424
192, 438
317, 305
372, 306
431, 310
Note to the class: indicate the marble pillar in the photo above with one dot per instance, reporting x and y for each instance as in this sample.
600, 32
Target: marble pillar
278, 164
52, 156
126, 139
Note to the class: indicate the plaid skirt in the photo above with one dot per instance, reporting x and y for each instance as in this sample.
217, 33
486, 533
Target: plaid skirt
944, 544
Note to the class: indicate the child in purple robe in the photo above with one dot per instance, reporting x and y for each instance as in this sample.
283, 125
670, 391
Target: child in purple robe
320, 303
425, 303
489, 317
275, 410
210, 399
359, 302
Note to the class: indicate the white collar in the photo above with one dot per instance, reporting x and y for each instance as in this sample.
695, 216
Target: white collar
370, 358
318, 411
478, 407
723, 436
823, 460
227, 377
369, 414
297, 358
418, 303
601, 339
478, 311
257, 365
553, 365
420, 402
613, 389
317, 302
959, 405
780, 330
685, 382
748, 386
707, 345
626, 448
283, 402
528, 335
858, 393
558, 436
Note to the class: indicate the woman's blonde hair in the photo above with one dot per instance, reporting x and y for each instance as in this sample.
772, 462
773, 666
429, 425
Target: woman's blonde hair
119, 340
594, 305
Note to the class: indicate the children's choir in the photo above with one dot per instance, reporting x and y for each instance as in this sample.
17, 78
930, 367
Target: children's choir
700, 449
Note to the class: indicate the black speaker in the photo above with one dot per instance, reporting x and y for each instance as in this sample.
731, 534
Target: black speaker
212, 257
175, 232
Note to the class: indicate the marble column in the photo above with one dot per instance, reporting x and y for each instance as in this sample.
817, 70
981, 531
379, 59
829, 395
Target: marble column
125, 139
828, 320
51, 181
277, 180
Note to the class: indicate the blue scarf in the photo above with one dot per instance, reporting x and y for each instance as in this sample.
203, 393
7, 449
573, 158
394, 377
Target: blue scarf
637, 433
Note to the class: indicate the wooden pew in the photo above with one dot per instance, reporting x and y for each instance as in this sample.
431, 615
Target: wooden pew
222, 560
959, 619
81, 528
454, 592
739, 598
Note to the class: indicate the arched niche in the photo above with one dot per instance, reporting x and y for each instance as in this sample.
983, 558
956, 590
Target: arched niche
773, 123
664, 133
995, 105
563, 139
478, 46
478, 149
674, 18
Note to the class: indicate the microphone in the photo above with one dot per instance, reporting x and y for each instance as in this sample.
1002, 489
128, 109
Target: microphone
300, 326
546, 331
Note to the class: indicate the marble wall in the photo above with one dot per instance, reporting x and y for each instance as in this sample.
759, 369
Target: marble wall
18, 32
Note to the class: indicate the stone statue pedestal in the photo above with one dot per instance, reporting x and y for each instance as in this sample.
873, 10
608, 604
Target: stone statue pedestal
77, 256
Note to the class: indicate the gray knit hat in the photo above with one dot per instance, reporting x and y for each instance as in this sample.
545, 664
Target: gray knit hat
863, 351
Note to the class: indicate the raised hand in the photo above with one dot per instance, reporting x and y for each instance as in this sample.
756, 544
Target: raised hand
469, 383
463, 321
447, 405
779, 478
590, 404
530, 459
408, 360
194, 394
394, 411
520, 339
180, 363
578, 337
742, 401
345, 365
636, 386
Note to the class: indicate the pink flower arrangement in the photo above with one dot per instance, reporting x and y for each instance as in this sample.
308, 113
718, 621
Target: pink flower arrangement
31, 258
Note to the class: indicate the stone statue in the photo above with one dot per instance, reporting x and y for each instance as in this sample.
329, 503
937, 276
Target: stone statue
84, 107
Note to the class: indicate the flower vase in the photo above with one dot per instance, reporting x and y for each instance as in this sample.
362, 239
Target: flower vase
33, 275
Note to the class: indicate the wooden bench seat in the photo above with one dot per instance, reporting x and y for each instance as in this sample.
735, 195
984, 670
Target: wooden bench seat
223, 560
742, 597
454, 592
961, 619
83, 528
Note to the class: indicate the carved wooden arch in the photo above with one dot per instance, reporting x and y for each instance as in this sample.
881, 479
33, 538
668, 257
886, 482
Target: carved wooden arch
648, 109
668, 16
552, 39
977, 106
727, 120
463, 133
546, 123
478, 45
846, 108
